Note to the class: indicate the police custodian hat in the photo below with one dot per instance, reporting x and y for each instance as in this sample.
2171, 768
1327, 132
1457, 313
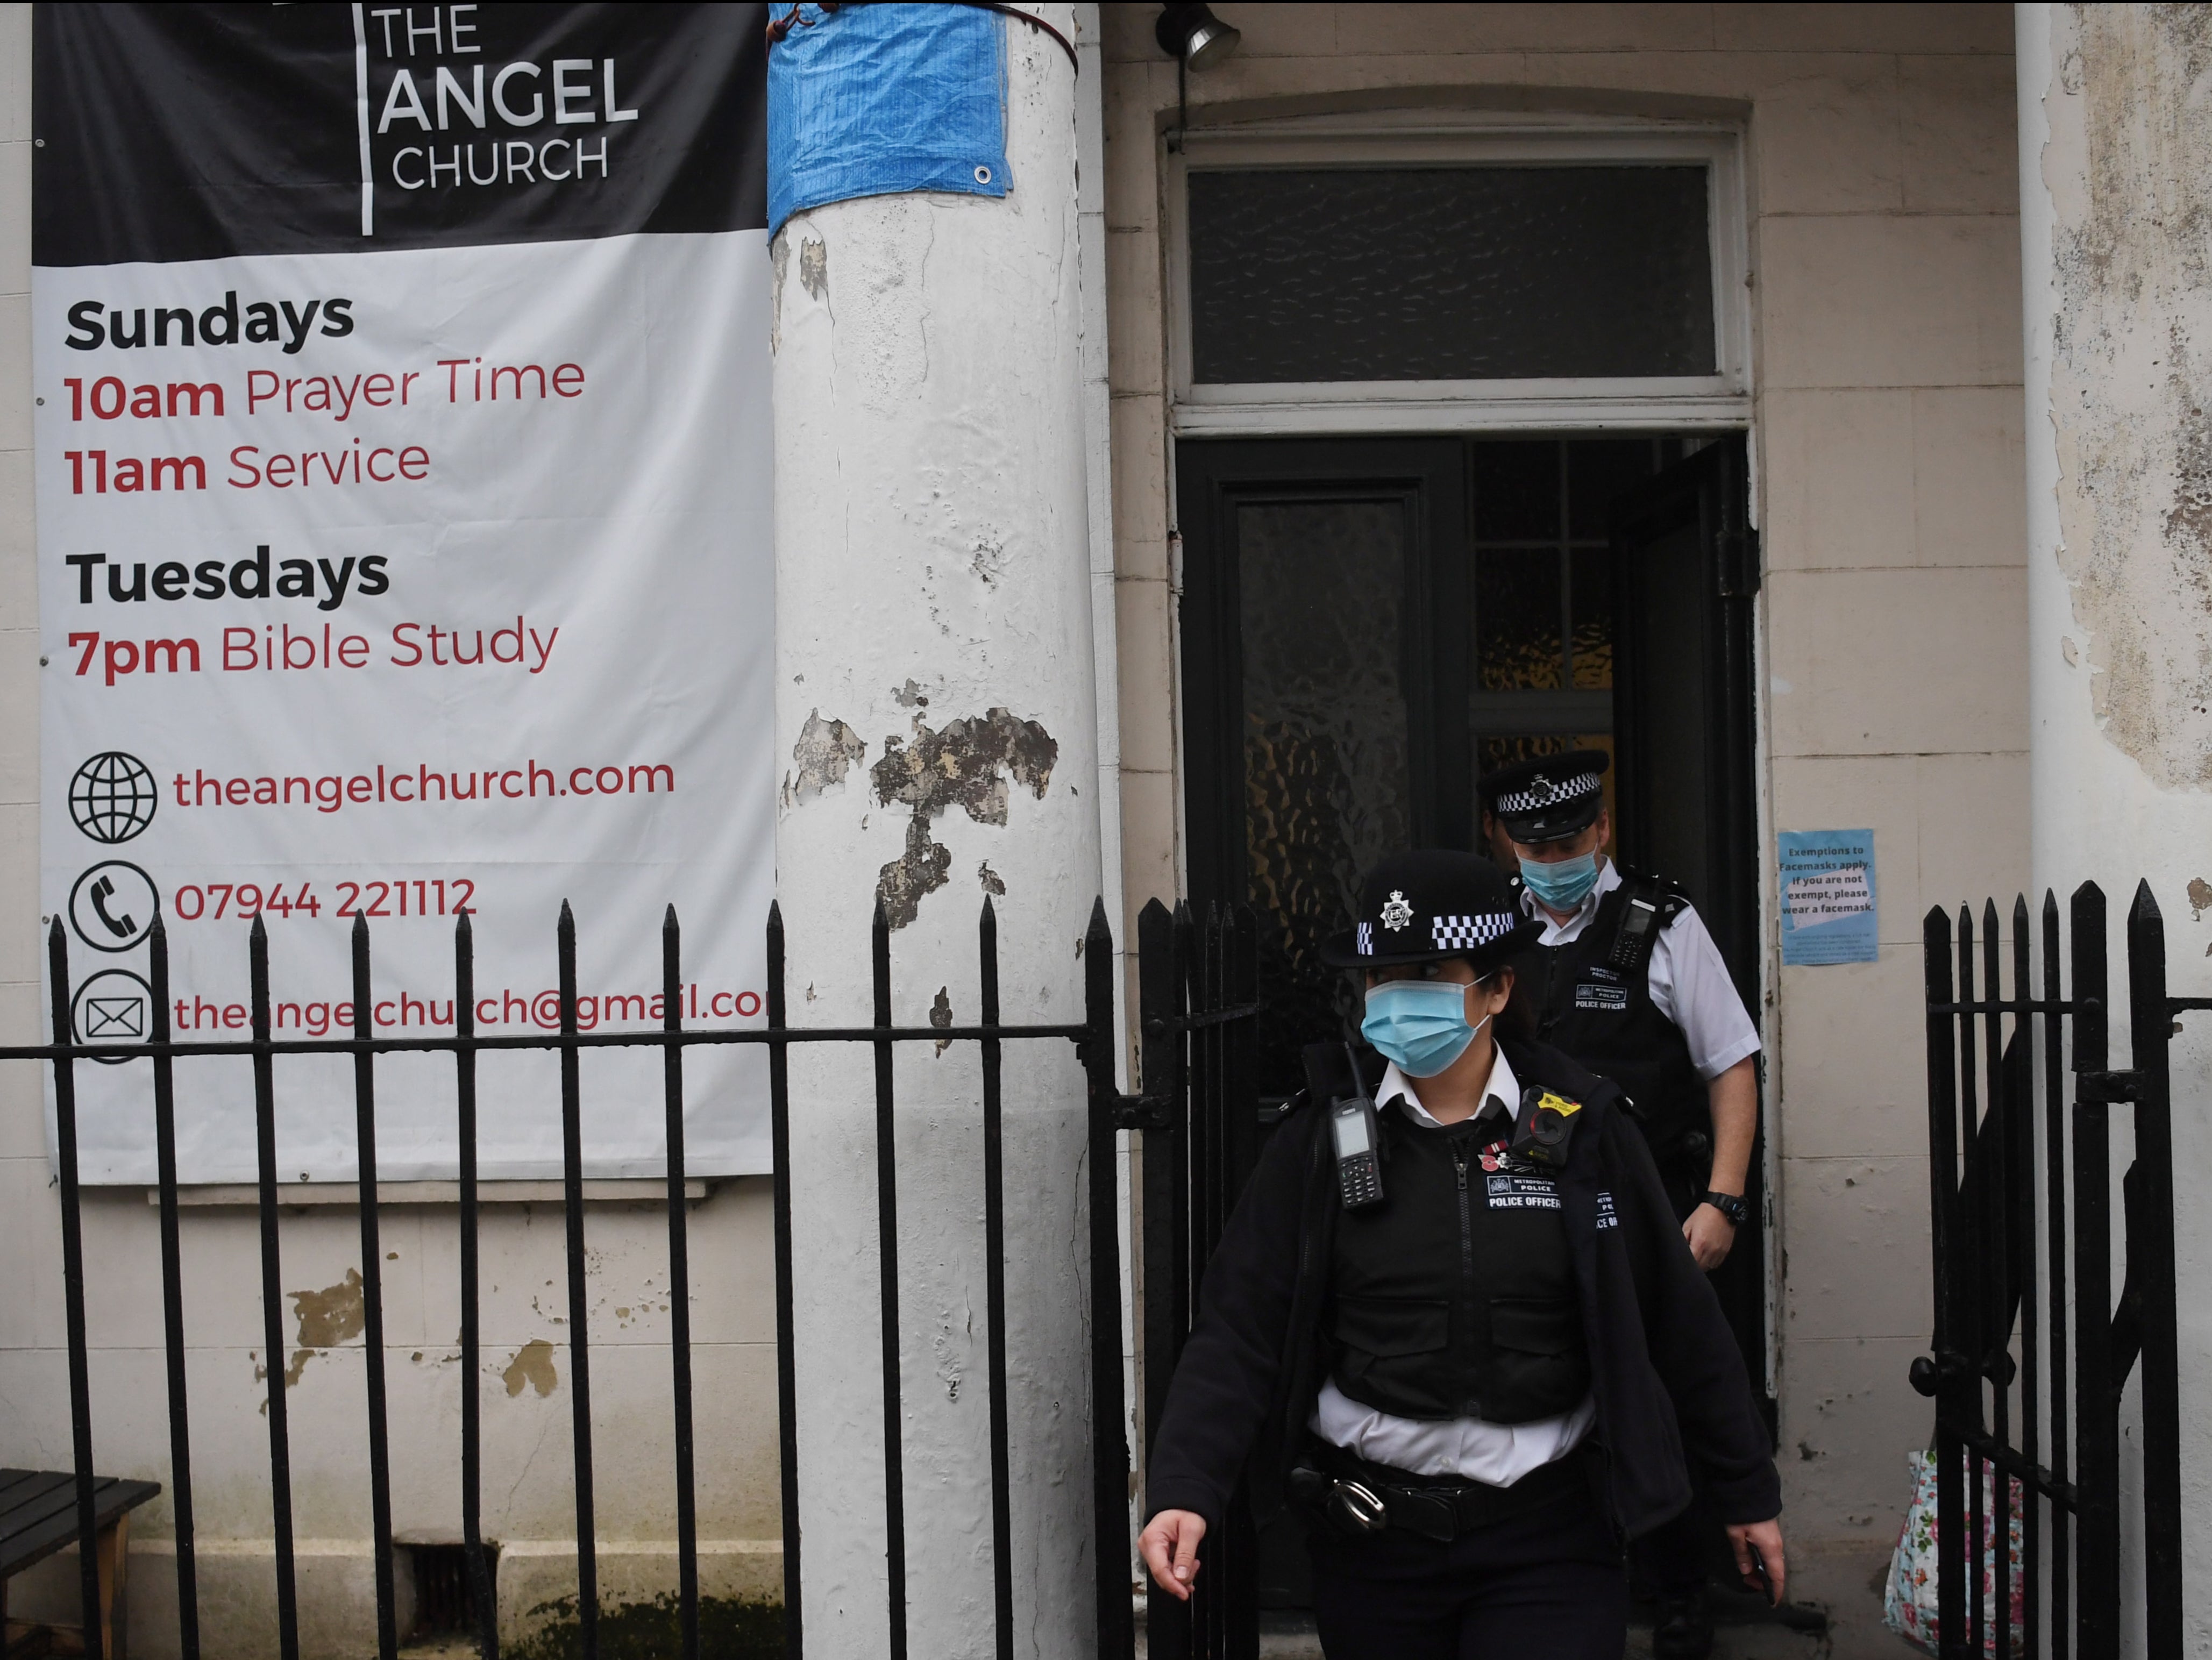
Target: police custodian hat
1547, 797
1426, 906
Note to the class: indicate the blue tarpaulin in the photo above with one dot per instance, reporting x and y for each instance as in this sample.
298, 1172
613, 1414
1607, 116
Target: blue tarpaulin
870, 99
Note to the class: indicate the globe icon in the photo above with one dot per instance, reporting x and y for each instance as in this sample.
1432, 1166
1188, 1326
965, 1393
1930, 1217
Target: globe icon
112, 796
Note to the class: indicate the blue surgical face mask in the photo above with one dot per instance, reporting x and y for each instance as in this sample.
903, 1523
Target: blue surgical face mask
1563, 884
1419, 1025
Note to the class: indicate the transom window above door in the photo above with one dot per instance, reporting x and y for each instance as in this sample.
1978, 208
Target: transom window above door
1326, 276
1487, 273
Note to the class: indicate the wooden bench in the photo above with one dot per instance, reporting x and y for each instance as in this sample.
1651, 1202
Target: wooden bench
37, 1518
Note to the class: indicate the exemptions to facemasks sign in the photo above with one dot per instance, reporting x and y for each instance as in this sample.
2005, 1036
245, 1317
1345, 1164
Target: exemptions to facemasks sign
403, 469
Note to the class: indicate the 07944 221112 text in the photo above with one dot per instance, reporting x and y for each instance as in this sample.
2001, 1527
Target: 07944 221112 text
399, 895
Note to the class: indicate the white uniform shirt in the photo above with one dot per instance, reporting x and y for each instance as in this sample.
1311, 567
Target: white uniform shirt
1690, 984
1497, 1455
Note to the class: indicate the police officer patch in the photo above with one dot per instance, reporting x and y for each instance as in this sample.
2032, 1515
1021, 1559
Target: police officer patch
1511, 1192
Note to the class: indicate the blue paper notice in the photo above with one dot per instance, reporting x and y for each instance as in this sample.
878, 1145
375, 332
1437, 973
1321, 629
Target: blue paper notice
1827, 897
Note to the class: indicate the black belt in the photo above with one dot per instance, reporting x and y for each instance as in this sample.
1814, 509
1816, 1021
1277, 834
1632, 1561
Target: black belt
1358, 1496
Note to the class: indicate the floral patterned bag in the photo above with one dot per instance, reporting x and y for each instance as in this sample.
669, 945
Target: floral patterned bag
1909, 1603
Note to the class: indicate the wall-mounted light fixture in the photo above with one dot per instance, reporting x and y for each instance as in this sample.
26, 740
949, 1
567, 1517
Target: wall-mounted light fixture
1194, 37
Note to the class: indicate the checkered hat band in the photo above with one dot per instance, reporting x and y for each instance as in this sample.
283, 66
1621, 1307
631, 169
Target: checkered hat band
1543, 792
1463, 933
1367, 940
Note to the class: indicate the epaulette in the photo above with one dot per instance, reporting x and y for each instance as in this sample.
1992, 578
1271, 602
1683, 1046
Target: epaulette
1328, 1072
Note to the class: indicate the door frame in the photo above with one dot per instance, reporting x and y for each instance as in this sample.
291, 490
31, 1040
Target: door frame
1711, 492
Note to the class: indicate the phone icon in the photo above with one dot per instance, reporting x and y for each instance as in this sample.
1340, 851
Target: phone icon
113, 906
103, 891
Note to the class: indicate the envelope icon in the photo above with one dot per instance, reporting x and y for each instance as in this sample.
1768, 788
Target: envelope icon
114, 1017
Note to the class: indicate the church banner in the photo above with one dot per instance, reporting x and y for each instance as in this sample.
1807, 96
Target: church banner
403, 470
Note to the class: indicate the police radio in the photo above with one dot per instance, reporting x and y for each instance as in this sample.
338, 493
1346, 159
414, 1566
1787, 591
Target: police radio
1638, 921
1352, 1122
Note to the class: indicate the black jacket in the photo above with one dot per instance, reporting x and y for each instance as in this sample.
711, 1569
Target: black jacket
1659, 1348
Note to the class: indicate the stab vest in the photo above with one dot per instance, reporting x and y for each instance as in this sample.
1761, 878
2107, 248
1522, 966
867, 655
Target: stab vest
1595, 1002
1455, 1297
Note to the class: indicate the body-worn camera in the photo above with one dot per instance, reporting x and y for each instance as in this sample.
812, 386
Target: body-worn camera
1544, 1128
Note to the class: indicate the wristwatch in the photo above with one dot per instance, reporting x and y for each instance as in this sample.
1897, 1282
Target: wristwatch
1731, 1205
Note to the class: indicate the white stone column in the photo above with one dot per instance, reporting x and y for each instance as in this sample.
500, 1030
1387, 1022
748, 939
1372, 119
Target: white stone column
2115, 145
936, 709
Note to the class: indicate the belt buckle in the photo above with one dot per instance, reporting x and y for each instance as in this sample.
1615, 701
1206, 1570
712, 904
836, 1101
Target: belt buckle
1357, 1508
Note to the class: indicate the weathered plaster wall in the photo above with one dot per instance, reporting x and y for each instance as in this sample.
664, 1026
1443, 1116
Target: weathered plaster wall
2132, 260
1882, 177
2116, 145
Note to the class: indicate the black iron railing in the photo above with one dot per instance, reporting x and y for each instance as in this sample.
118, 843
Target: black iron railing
2031, 1351
1107, 1111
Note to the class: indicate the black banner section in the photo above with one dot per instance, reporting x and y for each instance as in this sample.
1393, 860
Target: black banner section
175, 132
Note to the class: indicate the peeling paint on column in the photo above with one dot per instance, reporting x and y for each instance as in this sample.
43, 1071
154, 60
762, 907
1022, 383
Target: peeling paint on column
825, 752
2131, 147
779, 267
967, 765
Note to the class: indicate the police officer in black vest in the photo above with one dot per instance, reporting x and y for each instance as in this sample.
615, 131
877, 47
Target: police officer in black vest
1629, 982
1454, 1322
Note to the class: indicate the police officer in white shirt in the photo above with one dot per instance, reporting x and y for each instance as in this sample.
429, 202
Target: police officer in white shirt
1632, 985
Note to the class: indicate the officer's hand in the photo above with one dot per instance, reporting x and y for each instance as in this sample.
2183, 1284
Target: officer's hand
1169, 1545
1758, 1544
1711, 1236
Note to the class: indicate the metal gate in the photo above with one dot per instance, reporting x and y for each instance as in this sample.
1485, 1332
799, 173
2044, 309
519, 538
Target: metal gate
2032, 1352
1197, 1002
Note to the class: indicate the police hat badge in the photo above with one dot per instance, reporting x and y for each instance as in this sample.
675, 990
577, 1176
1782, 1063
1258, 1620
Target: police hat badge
1431, 904
1547, 797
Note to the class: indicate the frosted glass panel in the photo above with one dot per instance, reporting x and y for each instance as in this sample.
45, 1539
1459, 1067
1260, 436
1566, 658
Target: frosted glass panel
1450, 273
1326, 772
